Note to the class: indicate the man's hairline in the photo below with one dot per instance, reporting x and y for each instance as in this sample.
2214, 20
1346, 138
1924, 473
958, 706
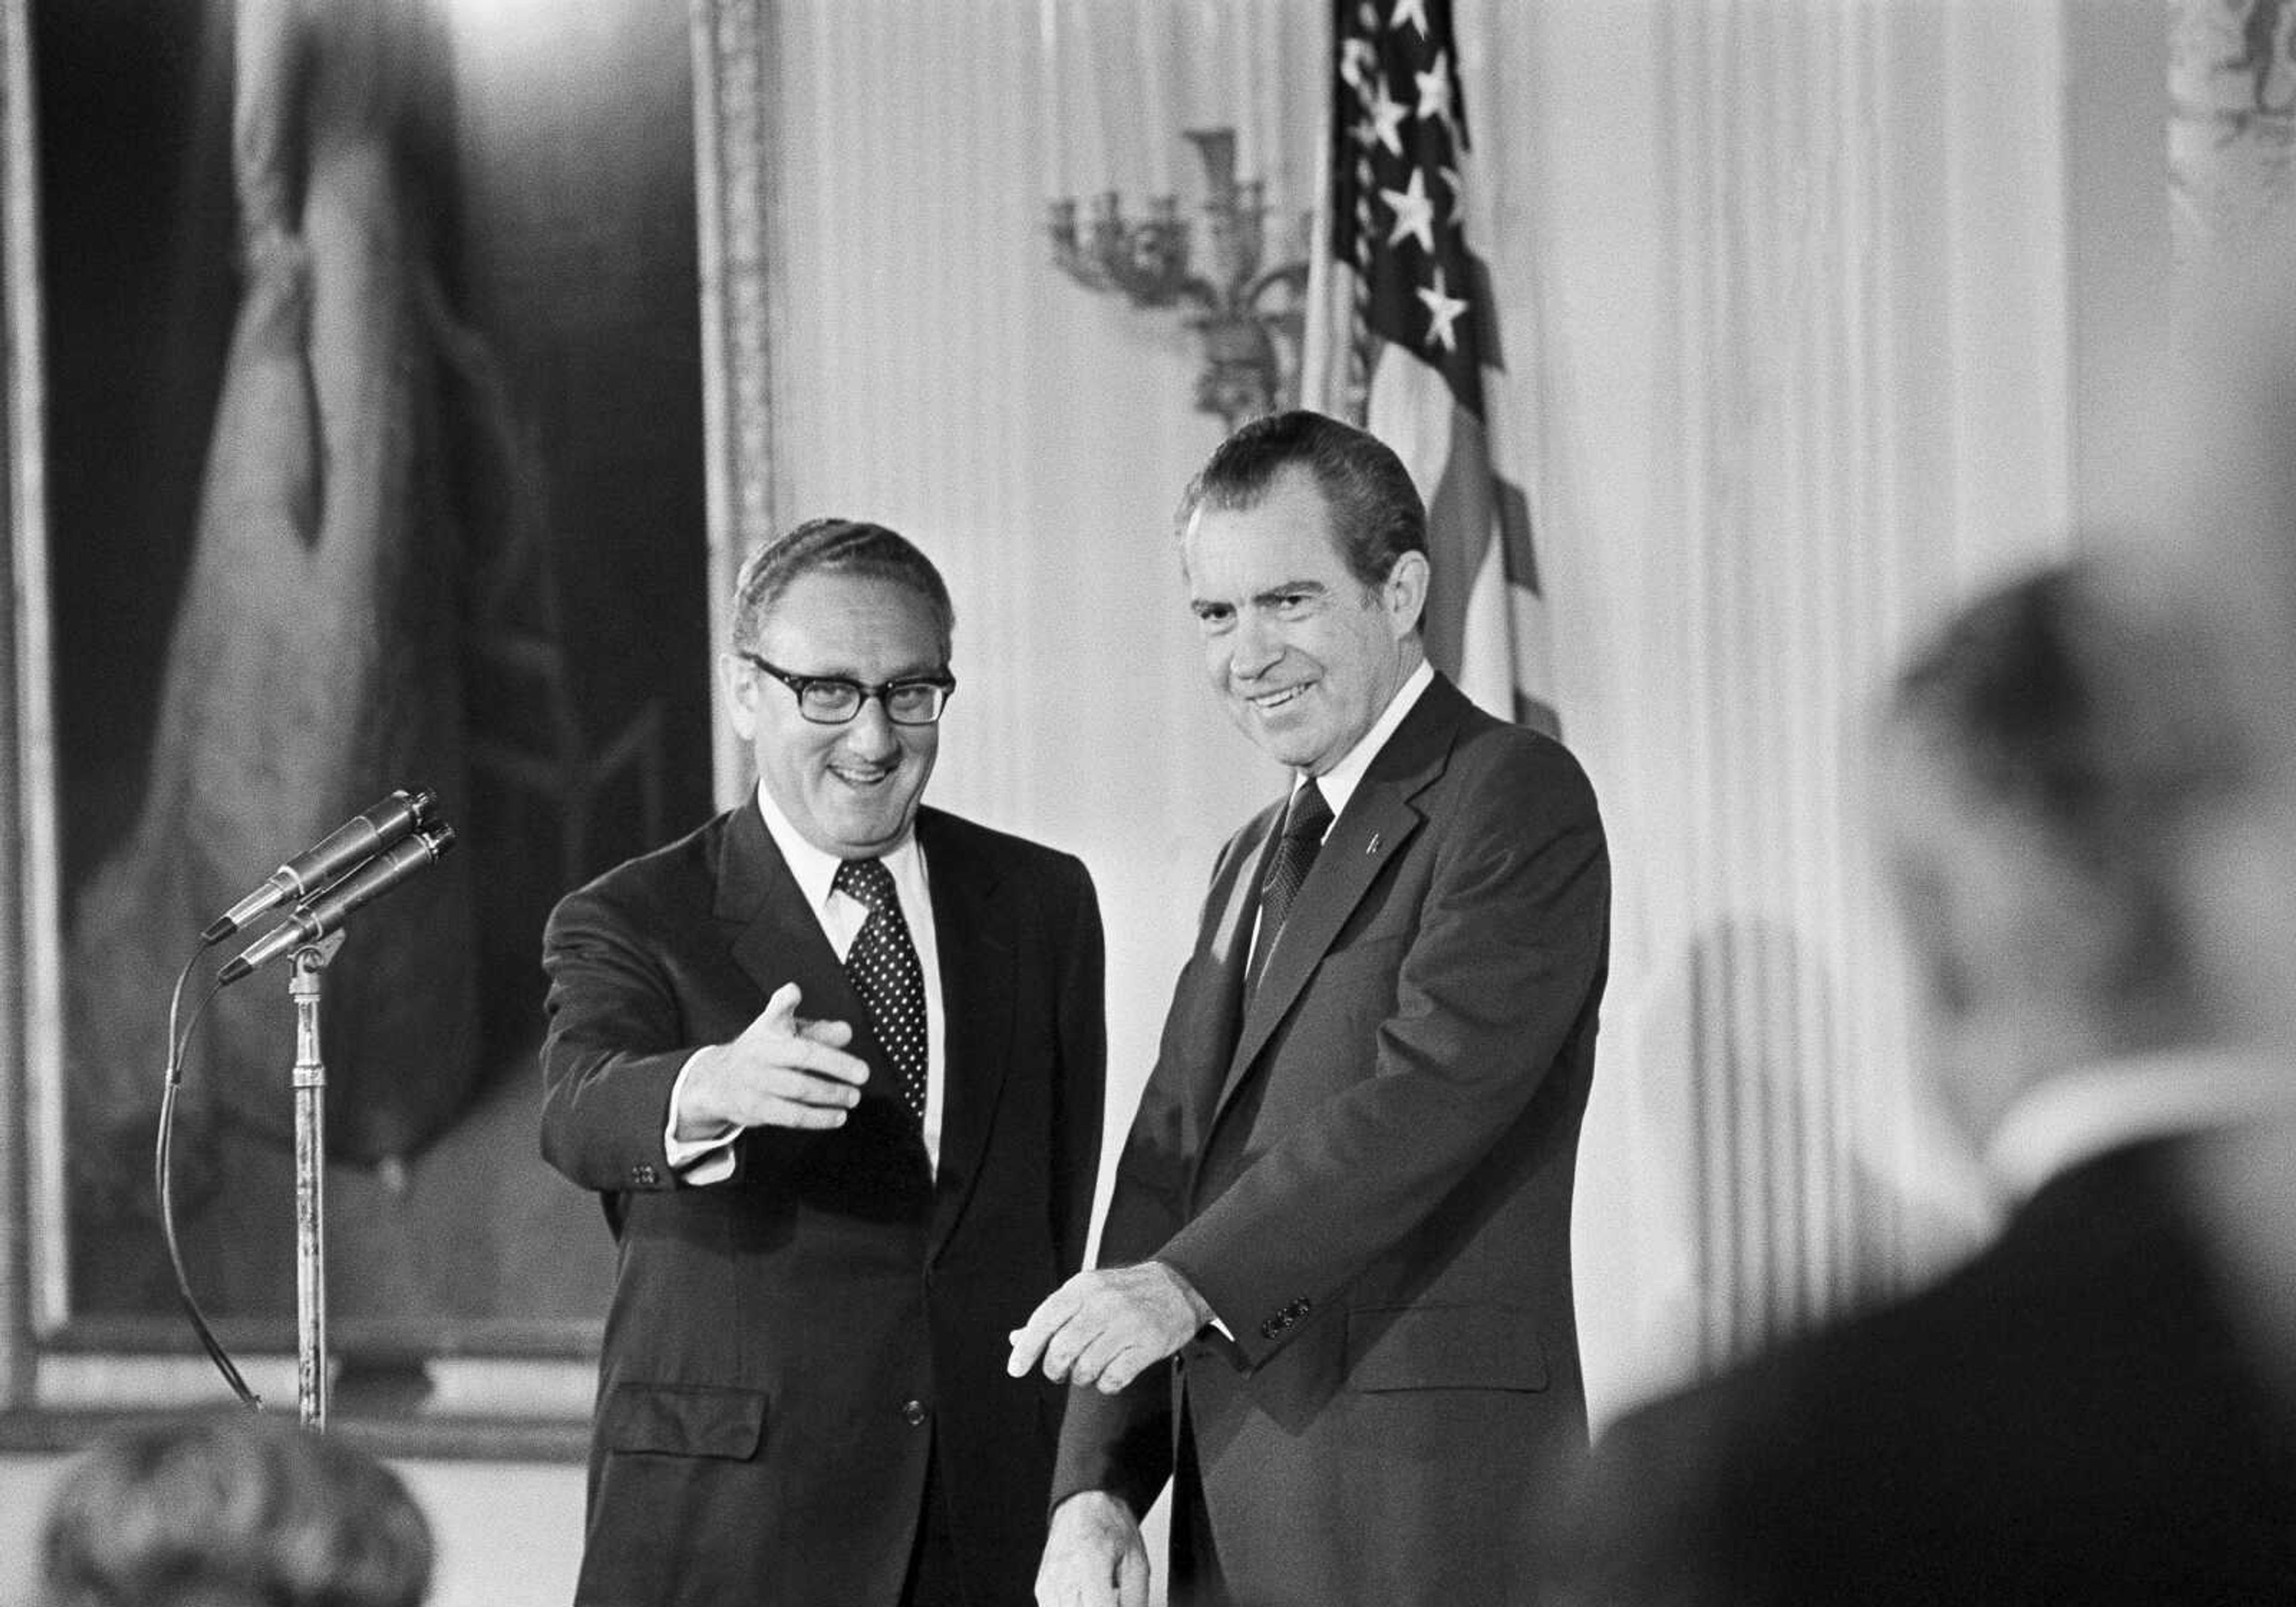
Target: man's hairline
943, 616
1333, 539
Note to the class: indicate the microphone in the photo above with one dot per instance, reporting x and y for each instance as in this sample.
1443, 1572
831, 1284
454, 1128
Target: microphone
311, 920
361, 837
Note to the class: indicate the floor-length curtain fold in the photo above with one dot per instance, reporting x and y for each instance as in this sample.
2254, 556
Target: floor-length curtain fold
1840, 341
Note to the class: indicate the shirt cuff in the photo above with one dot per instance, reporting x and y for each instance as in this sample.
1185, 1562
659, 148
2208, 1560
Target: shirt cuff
697, 1161
1213, 1321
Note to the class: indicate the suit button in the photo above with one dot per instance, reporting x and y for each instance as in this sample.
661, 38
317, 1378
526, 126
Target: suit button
643, 1176
913, 1413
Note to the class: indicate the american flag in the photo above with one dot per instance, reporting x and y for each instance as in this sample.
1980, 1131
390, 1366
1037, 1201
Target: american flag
1403, 339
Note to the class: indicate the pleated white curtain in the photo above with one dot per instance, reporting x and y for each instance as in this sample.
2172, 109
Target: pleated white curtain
1801, 316
1792, 280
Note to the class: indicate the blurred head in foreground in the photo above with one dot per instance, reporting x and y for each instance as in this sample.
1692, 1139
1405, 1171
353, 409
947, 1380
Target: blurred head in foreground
2229, 509
2045, 763
2233, 515
233, 1510
2055, 764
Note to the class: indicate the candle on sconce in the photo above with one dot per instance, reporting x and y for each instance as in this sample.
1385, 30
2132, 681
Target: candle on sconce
1243, 54
1083, 134
1105, 227
1250, 220
1056, 177
1155, 30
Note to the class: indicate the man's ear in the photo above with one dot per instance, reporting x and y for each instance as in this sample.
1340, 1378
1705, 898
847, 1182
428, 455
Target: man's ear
742, 690
1405, 594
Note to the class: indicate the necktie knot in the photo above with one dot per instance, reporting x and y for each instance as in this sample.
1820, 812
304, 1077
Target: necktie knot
865, 880
1309, 815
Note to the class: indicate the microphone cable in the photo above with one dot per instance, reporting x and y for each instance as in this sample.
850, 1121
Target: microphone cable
163, 1180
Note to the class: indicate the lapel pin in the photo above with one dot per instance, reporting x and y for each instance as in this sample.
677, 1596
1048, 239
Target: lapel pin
1373, 846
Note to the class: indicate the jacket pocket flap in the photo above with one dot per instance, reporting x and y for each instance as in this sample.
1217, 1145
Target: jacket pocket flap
1445, 1347
683, 1420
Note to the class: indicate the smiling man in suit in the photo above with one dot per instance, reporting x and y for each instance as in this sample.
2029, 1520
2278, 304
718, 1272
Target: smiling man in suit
834, 1061
1345, 1203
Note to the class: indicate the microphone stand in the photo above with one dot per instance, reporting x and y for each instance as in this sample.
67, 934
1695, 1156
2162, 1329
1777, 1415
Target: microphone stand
304, 977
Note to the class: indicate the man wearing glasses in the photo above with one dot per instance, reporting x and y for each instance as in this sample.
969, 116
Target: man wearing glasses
834, 1063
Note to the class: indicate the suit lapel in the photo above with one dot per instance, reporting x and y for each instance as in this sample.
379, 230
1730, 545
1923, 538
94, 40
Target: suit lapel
1379, 820
776, 937
973, 937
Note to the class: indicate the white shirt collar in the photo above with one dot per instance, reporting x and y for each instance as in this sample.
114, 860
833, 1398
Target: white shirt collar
1339, 784
2086, 1111
816, 869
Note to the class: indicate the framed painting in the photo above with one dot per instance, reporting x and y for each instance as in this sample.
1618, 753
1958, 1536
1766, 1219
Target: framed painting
385, 412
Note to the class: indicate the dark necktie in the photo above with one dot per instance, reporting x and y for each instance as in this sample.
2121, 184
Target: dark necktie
1287, 867
883, 964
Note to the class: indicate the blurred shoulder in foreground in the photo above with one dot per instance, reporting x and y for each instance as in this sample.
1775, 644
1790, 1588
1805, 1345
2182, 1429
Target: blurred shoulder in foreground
2081, 1411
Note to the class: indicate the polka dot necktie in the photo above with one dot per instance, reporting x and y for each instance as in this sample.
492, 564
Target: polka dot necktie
883, 964
1304, 826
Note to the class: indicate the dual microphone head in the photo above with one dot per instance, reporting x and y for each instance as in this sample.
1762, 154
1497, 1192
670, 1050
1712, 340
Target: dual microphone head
358, 861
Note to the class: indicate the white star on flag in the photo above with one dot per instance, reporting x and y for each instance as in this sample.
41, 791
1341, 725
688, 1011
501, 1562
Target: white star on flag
1442, 312
1414, 12
1414, 213
1435, 92
1386, 115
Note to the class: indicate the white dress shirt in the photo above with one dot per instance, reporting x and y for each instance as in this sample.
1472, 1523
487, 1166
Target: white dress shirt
1339, 784
840, 915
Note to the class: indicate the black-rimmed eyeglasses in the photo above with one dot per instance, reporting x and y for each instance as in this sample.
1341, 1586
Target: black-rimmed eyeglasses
834, 700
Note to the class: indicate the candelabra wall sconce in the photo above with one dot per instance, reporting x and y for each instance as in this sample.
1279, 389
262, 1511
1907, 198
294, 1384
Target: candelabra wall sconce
1250, 318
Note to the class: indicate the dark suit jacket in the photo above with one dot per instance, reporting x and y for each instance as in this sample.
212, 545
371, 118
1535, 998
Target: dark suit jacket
1367, 1172
784, 1346
2072, 1417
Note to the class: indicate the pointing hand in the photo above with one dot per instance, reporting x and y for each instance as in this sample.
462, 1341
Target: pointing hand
784, 1072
